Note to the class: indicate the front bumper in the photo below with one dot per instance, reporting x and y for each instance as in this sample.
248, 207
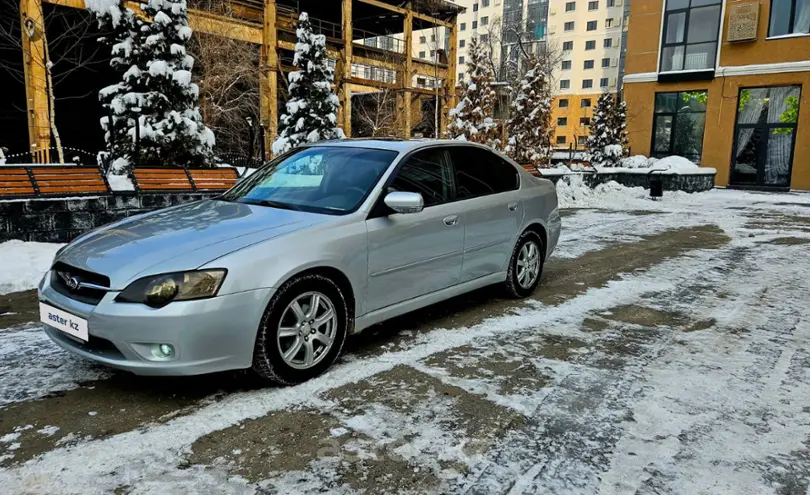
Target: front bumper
208, 335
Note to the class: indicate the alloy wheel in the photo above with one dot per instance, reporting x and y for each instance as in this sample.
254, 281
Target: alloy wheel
307, 330
528, 264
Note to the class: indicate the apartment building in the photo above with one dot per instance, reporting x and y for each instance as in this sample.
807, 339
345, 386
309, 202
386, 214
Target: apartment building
586, 38
722, 83
497, 23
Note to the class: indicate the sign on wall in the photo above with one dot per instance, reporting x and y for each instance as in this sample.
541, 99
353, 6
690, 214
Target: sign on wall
743, 19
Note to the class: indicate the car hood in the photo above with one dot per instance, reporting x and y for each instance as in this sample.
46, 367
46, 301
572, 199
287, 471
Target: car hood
179, 238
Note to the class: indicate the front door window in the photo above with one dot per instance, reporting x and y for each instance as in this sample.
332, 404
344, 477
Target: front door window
764, 136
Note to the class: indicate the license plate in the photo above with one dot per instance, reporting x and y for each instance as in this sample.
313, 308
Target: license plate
64, 321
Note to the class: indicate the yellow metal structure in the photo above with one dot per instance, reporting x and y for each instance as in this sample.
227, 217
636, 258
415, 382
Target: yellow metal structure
263, 26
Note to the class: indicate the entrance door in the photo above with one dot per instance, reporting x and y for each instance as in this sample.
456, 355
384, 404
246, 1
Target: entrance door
764, 136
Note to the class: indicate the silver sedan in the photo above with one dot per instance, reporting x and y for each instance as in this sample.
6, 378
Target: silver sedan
323, 242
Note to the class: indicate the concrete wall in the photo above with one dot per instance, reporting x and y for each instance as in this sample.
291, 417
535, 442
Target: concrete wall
61, 220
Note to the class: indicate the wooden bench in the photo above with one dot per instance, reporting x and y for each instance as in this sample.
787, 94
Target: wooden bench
531, 169
214, 179
69, 180
161, 179
45, 180
15, 181
179, 179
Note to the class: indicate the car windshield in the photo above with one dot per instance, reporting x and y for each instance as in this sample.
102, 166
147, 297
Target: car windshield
320, 179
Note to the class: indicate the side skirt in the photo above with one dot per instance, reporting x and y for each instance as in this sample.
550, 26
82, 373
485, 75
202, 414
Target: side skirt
369, 319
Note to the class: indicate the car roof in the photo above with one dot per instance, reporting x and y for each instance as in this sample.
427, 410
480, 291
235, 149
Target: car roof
394, 144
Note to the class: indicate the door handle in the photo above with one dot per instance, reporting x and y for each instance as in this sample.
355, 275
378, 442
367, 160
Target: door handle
451, 220
512, 206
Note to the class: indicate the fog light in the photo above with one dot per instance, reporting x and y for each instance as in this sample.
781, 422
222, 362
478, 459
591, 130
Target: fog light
163, 351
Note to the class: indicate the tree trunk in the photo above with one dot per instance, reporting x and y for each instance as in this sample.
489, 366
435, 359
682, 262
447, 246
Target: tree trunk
52, 102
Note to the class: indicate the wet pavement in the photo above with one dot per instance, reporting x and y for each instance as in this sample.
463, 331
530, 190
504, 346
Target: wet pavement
670, 360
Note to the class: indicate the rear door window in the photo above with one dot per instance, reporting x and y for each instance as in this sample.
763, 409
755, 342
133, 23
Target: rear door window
480, 172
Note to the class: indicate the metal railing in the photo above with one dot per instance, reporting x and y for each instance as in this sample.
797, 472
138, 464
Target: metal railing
380, 41
372, 73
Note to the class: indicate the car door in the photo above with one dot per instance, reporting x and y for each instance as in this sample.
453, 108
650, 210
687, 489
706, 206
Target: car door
413, 254
487, 188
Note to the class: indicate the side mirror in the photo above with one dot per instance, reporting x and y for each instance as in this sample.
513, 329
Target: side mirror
405, 202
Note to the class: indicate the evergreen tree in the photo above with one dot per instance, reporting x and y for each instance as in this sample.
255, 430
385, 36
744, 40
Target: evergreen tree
530, 126
471, 119
607, 143
311, 107
154, 117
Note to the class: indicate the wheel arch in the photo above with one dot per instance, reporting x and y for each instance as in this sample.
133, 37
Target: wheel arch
539, 229
339, 278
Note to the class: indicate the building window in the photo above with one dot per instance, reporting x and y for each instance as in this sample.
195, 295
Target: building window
432, 53
461, 59
484, 3
569, 26
565, 83
433, 38
591, 26
690, 35
460, 76
584, 121
609, 23
581, 140
585, 103
562, 121
765, 135
463, 26
566, 65
588, 64
563, 103
607, 43
422, 39
593, 5
475, 25
421, 55
484, 20
789, 17
605, 62
587, 83
570, 6
603, 82
560, 139
568, 46
475, 7
462, 43
678, 124
590, 45
611, 3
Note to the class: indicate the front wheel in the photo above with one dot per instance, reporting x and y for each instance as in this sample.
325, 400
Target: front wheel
526, 265
302, 331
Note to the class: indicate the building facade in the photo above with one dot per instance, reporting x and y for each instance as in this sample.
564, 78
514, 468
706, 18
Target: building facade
586, 36
724, 84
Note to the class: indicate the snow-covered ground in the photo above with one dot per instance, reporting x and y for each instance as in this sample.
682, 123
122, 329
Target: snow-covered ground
22, 264
665, 352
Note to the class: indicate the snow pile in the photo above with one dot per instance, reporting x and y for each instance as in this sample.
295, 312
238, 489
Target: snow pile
638, 161
573, 192
675, 163
120, 182
22, 264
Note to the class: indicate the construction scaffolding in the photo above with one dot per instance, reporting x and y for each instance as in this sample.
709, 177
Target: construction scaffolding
369, 41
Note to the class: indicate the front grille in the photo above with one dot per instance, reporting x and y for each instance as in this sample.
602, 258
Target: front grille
61, 271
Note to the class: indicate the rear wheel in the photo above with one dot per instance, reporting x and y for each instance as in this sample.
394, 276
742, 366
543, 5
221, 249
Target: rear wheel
302, 331
526, 265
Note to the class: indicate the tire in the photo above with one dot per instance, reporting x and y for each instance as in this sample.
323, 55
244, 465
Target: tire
279, 318
516, 287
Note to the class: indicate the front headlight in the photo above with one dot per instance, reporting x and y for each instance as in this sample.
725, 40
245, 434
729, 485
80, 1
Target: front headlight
159, 290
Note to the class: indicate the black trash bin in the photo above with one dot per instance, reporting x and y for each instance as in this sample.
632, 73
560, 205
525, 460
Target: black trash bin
656, 182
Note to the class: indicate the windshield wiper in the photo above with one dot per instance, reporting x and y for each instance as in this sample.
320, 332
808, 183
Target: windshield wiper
272, 204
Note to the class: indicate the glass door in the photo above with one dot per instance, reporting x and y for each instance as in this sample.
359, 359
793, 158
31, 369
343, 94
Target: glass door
764, 136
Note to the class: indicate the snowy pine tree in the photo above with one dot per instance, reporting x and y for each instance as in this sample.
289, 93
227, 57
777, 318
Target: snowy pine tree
312, 106
529, 127
608, 140
154, 117
471, 119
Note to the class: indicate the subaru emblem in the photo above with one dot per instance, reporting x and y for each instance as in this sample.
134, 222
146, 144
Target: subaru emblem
72, 283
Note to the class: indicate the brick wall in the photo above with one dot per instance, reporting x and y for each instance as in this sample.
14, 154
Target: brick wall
61, 220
